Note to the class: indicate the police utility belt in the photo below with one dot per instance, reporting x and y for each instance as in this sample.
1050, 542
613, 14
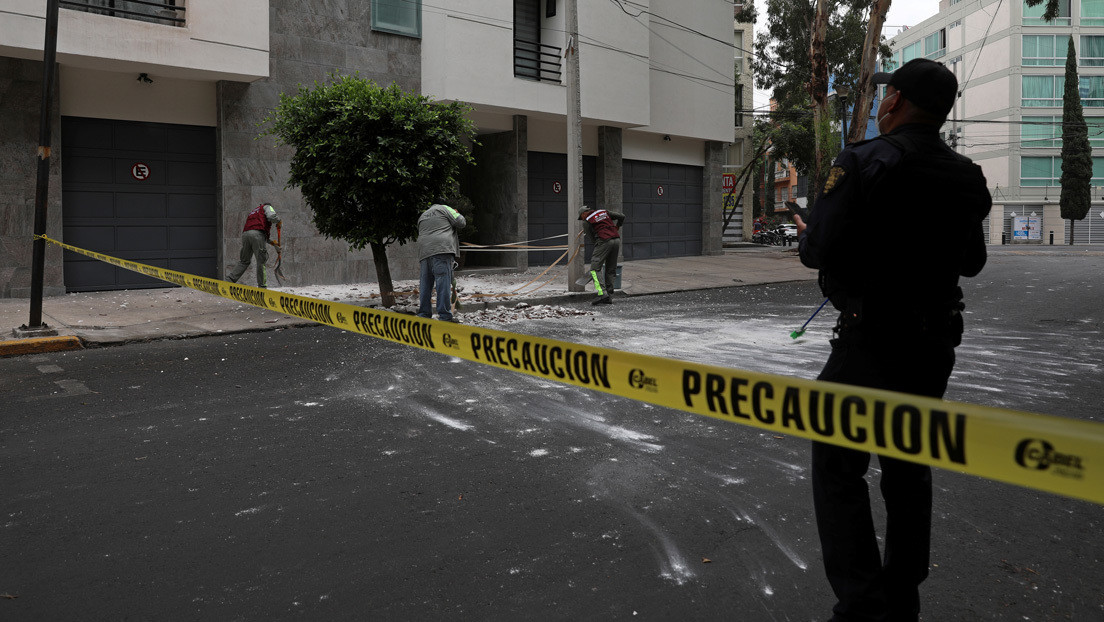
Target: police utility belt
871, 315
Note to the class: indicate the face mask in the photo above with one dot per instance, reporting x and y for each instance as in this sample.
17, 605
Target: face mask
878, 120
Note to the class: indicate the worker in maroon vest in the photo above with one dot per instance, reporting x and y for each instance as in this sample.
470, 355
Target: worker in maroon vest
254, 243
604, 226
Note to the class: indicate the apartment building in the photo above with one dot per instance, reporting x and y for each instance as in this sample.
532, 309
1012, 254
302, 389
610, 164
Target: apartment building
1010, 66
159, 107
739, 155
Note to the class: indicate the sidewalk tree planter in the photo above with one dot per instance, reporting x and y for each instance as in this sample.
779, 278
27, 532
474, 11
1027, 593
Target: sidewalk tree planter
369, 160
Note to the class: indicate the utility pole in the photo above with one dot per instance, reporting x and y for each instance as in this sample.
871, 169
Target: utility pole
38, 249
574, 148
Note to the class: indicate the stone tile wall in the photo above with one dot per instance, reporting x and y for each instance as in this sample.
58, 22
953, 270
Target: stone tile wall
310, 40
20, 103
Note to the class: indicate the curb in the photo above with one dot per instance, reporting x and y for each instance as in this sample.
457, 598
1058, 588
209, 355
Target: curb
39, 345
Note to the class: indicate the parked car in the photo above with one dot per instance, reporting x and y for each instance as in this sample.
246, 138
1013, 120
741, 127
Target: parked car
788, 230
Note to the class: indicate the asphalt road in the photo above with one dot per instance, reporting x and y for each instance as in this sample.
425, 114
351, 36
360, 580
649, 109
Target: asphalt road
314, 474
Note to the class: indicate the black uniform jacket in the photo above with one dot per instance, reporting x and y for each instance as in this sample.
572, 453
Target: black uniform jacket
898, 221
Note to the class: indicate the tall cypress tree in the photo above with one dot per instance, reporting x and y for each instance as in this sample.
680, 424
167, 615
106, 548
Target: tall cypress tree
1076, 152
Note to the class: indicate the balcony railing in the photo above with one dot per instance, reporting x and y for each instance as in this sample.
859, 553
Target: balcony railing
536, 60
169, 12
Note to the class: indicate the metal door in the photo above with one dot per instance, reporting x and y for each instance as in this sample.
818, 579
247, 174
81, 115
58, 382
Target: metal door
663, 208
548, 201
139, 191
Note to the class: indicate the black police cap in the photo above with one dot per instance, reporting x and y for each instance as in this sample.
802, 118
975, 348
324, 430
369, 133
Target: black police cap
926, 83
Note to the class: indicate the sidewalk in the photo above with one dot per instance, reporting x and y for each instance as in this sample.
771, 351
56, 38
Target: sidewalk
116, 317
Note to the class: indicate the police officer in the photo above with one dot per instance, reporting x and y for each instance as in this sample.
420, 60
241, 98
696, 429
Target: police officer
900, 320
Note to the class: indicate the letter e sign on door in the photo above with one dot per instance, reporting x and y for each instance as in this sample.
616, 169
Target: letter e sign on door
140, 171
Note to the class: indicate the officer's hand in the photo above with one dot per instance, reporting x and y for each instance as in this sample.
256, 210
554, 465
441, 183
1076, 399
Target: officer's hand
800, 224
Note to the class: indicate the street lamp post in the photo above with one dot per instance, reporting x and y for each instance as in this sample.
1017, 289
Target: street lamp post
842, 92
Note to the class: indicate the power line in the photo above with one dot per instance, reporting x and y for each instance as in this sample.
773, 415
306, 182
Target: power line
981, 47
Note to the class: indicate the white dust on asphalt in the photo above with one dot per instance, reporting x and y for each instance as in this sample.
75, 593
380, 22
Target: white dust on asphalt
508, 292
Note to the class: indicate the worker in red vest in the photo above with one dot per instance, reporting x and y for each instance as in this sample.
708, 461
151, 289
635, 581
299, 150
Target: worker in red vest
254, 243
605, 227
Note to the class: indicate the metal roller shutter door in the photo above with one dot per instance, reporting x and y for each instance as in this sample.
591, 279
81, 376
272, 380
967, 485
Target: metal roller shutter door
164, 215
663, 206
547, 208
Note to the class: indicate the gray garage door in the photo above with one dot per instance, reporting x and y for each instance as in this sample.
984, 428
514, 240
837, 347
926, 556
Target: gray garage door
1090, 229
548, 200
138, 191
663, 205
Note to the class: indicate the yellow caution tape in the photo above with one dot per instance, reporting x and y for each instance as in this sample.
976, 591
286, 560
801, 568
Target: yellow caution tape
1045, 452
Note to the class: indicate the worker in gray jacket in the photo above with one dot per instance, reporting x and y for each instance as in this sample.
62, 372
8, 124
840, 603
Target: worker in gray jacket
438, 248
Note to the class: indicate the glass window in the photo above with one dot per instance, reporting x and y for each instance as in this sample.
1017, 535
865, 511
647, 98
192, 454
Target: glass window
1041, 132
1033, 16
401, 17
935, 44
1096, 131
1092, 50
1042, 91
1098, 172
1040, 171
912, 51
1047, 171
1045, 50
892, 63
1092, 12
1092, 91
739, 45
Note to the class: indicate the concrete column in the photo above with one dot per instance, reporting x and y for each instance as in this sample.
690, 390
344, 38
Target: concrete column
712, 201
21, 94
499, 189
610, 169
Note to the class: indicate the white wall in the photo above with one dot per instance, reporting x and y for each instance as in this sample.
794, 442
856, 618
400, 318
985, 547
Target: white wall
650, 147
692, 75
114, 95
982, 98
221, 40
626, 78
469, 56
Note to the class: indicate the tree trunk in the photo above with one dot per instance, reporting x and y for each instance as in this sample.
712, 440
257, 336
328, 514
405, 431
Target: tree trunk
818, 93
383, 274
864, 90
1071, 232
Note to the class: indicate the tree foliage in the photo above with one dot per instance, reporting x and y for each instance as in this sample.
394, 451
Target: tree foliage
369, 159
1076, 151
1051, 11
782, 65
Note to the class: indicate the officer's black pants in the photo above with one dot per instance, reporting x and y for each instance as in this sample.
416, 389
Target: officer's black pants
868, 586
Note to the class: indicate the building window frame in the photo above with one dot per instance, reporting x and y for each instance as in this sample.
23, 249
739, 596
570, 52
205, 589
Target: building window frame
1042, 51
1092, 51
397, 17
1055, 176
1039, 97
1092, 13
935, 44
1033, 16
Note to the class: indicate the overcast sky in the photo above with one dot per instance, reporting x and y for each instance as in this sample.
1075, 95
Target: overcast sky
901, 13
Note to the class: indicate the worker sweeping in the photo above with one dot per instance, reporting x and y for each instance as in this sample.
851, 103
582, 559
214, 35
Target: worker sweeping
254, 242
605, 227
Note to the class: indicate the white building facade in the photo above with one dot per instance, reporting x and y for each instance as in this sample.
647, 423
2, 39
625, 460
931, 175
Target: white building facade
179, 89
1010, 66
